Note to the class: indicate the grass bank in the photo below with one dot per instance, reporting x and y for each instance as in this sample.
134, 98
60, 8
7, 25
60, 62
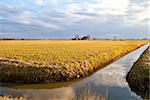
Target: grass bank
138, 77
52, 61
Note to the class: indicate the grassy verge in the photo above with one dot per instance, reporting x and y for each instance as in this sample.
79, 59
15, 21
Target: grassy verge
138, 77
53, 61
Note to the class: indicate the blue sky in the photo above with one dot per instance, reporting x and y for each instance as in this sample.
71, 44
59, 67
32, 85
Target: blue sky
53, 19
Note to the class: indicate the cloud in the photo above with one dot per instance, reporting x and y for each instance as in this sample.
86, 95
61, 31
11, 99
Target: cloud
22, 16
137, 14
39, 2
64, 17
111, 7
113, 79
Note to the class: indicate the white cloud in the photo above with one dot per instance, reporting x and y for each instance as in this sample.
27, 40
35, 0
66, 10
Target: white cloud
100, 9
115, 4
137, 15
39, 2
113, 78
2, 5
108, 7
24, 17
55, 2
59, 15
30, 18
131, 13
95, 11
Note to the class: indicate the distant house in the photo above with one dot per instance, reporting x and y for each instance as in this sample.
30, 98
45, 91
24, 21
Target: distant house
75, 38
87, 37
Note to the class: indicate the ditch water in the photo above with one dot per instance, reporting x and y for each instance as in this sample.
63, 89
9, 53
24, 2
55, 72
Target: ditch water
109, 82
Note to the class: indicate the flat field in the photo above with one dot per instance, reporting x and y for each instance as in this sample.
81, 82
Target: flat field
30, 61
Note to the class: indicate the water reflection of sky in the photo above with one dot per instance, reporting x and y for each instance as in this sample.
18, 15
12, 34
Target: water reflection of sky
114, 75
110, 79
41, 94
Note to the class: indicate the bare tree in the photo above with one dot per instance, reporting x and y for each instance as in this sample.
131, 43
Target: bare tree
77, 36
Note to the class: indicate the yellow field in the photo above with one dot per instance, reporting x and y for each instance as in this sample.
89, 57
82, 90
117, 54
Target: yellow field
64, 59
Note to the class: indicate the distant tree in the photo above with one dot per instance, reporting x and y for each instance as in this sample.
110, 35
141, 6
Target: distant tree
87, 37
77, 37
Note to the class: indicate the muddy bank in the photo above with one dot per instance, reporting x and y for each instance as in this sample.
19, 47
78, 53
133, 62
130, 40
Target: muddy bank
138, 77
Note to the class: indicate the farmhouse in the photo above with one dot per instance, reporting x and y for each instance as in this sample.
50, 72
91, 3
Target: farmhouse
87, 37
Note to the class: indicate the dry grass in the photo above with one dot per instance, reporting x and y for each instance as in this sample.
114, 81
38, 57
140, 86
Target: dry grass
51, 61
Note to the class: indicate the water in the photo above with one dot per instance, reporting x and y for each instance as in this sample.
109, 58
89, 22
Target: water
109, 81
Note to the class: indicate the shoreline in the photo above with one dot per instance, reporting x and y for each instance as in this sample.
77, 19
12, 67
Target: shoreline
138, 76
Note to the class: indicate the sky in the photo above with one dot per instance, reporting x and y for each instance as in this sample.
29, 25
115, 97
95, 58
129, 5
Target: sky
62, 19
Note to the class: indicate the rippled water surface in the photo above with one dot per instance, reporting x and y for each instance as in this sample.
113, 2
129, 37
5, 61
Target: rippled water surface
109, 81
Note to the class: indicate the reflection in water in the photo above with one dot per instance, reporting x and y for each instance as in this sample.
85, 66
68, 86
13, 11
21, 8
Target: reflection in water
40, 86
112, 76
108, 82
40, 94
